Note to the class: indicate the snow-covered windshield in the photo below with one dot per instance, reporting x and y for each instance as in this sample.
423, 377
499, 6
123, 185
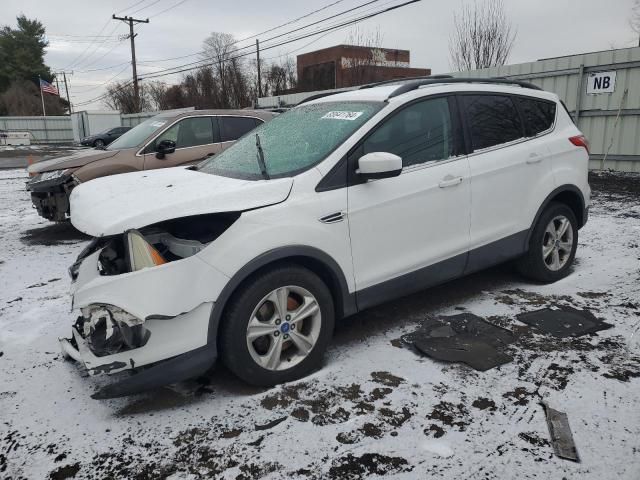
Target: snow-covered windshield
134, 137
294, 141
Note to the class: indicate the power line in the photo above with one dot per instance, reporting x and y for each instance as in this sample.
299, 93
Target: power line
332, 28
110, 67
290, 22
74, 62
326, 30
77, 36
167, 9
104, 55
145, 7
276, 36
271, 29
104, 95
94, 87
131, 6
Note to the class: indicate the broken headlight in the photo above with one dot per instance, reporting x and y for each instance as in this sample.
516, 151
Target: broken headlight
110, 330
141, 254
49, 176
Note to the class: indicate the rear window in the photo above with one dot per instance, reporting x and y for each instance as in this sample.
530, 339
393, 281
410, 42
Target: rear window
232, 128
493, 120
538, 115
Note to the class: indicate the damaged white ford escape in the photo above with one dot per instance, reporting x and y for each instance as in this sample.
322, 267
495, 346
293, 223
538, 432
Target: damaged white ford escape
342, 203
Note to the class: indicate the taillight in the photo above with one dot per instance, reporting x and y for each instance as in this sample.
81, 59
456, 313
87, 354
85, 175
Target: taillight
580, 141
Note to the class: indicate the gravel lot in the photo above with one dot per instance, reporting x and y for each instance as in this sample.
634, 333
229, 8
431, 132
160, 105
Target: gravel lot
376, 408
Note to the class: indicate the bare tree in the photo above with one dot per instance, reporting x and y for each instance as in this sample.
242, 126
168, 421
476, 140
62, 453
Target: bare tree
482, 36
225, 81
121, 96
278, 77
218, 49
157, 94
358, 68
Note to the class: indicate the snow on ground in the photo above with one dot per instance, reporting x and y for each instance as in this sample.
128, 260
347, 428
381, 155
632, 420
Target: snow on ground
376, 408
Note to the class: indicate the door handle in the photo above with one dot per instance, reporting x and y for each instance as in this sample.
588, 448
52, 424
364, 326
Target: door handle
534, 158
211, 154
450, 181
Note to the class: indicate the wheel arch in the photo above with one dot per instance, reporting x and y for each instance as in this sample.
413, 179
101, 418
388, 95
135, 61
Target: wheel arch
568, 194
312, 258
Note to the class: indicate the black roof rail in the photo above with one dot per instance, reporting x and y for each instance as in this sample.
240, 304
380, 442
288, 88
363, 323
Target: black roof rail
408, 87
317, 95
402, 80
375, 84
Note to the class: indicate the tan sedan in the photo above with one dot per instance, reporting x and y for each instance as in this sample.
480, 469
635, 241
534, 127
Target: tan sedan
166, 140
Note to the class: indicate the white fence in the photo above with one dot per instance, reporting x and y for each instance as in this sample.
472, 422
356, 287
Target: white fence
59, 129
54, 129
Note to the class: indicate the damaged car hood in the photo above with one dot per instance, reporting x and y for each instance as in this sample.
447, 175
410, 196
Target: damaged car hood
115, 204
78, 159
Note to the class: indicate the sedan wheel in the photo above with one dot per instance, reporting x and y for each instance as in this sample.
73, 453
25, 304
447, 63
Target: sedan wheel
98, 143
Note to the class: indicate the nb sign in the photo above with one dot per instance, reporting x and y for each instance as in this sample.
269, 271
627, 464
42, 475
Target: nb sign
601, 82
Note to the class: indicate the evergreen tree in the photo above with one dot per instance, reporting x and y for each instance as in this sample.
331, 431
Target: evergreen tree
22, 53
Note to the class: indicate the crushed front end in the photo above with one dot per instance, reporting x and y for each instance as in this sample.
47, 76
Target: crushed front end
50, 193
144, 301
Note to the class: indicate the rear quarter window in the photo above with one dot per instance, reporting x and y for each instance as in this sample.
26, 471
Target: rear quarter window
492, 119
232, 128
539, 115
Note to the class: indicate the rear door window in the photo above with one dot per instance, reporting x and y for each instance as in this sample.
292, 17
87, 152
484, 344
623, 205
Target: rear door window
493, 120
232, 128
538, 115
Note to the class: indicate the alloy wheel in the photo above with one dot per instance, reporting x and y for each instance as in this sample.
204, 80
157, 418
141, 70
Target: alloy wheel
557, 243
284, 327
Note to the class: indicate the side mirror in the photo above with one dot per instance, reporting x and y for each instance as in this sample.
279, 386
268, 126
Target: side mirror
165, 147
376, 165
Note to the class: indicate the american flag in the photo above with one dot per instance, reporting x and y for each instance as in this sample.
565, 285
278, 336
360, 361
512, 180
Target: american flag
48, 88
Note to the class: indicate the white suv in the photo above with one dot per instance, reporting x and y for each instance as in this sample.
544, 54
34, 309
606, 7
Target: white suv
342, 203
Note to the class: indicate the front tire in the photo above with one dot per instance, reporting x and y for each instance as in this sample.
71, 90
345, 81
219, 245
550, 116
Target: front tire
552, 246
98, 144
277, 326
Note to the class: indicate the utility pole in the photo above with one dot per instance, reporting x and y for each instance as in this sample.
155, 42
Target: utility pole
131, 21
258, 58
66, 87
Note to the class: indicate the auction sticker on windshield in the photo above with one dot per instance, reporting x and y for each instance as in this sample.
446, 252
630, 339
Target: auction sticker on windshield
340, 115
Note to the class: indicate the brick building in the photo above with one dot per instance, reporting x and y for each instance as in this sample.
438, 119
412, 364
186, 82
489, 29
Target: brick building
349, 65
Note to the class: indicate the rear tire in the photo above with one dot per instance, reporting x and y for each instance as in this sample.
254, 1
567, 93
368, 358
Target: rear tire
552, 246
277, 326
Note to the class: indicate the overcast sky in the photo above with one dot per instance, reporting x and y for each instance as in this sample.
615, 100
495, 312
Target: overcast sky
545, 28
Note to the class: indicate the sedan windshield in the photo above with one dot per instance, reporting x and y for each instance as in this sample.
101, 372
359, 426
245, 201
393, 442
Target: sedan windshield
134, 137
292, 142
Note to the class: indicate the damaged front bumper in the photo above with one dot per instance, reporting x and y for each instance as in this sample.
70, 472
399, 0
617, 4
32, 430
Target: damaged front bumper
153, 321
187, 365
51, 197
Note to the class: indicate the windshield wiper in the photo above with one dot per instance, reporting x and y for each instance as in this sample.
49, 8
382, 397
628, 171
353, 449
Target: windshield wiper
263, 166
